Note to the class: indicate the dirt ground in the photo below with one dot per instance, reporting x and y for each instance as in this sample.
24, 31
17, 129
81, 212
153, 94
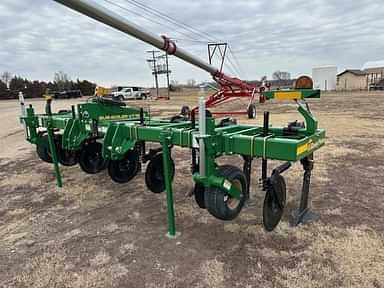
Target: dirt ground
94, 233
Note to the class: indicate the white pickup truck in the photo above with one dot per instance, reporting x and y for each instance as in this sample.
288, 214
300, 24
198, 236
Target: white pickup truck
127, 93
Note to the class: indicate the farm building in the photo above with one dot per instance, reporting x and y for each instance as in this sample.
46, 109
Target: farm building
324, 78
352, 79
375, 74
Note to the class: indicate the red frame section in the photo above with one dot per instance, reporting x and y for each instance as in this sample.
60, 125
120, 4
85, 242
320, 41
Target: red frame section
233, 88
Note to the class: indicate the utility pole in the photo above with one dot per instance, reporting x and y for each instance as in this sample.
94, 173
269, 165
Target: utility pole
166, 62
153, 60
159, 66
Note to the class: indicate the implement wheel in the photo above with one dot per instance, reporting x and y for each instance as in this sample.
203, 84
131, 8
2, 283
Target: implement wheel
274, 201
90, 159
64, 156
218, 202
198, 192
67, 157
122, 171
42, 150
185, 111
251, 111
154, 175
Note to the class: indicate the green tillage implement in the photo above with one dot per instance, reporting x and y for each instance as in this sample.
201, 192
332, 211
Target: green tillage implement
222, 190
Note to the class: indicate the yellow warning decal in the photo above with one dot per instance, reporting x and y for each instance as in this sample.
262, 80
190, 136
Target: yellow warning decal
302, 149
288, 95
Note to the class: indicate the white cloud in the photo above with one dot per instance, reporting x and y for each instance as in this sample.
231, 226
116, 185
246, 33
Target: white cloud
40, 37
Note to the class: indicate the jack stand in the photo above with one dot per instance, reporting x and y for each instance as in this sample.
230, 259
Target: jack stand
304, 215
165, 142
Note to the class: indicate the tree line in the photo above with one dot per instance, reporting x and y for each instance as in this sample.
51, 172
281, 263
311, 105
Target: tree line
11, 85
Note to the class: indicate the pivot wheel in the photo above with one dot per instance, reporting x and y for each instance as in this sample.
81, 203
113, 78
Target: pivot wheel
42, 150
122, 171
251, 111
274, 201
154, 175
218, 202
90, 159
185, 111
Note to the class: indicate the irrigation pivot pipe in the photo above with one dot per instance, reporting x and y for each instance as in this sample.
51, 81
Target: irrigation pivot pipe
110, 18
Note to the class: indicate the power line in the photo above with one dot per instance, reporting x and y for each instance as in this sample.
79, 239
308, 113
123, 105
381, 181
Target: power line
171, 19
233, 65
236, 60
147, 18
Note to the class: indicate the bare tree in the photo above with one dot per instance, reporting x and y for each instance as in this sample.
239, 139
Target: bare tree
174, 83
191, 83
6, 78
281, 75
62, 81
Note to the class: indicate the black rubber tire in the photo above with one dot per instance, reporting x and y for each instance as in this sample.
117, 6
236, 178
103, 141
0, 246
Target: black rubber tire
64, 111
217, 200
123, 171
198, 192
42, 150
227, 122
177, 119
154, 174
113, 101
185, 111
67, 157
251, 111
272, 213
90, 158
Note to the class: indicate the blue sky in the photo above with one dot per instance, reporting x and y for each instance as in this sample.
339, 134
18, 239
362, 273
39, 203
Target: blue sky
40, 37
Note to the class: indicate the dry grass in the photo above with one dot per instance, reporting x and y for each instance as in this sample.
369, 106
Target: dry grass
28, 179
352, 257
55, 269
213, 273
358, 255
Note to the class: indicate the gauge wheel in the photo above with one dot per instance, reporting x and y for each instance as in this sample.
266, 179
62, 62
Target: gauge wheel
218, 202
